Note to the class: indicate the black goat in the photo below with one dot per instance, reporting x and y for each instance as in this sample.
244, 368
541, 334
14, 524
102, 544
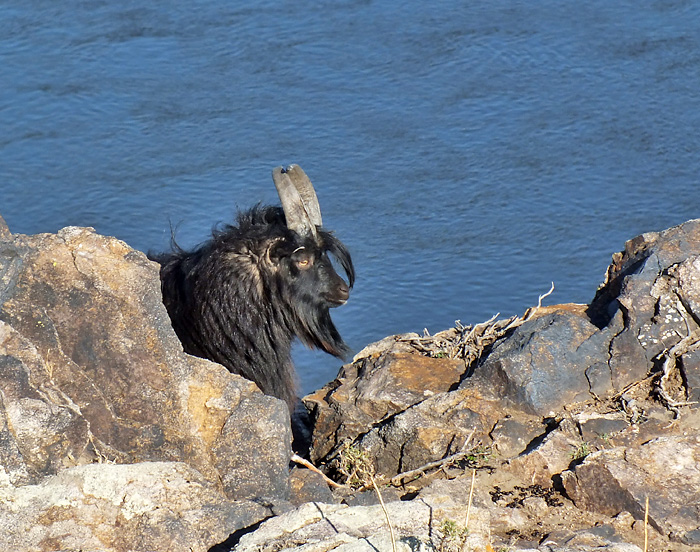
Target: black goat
240, 298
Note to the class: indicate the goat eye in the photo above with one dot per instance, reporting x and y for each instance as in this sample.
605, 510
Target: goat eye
304, 263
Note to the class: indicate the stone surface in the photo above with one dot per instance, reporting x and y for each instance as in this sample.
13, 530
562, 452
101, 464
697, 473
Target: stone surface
309, 486
665, 469
549, 403
552, 456
434, 521
371, 389
416, 526
653, 286
541, 365
435, 428
155, 506
92, 372
564, 419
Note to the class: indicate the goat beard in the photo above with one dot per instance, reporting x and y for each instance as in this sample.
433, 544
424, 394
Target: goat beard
317, 331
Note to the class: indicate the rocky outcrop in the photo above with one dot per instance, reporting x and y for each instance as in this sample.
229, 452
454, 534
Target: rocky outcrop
570, 428
569, 398
92, 380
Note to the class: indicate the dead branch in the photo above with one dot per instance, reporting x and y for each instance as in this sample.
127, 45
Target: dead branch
671, 387
299, 460
386, 513
539, 301
412, 474
467, 343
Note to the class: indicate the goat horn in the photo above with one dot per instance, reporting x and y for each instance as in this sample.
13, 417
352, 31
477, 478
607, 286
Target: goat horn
298, 198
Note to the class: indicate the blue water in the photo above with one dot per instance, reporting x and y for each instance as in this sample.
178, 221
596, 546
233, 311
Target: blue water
469, 154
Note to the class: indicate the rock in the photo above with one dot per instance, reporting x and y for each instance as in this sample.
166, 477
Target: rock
570, 353
539, 367
601, 426
552, 456
434, 428
372, 389
92, 372
544, 395
434, 521
653, 284
4, 230
666, 470
308, 486
111, 438
156, 506
511, 435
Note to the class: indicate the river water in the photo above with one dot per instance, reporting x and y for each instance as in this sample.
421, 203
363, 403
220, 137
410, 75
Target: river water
468, 153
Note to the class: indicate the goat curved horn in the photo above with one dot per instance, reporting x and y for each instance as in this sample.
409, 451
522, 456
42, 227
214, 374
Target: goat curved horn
298, 198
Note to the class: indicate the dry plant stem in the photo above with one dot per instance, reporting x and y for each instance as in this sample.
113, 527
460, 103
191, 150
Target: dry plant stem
386, 514
539, 302
299, 460
671, 387
469, 504
398, 479
464, 342
646, 523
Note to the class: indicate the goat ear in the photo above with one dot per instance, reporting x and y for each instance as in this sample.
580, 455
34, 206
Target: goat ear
336, 248
277, 249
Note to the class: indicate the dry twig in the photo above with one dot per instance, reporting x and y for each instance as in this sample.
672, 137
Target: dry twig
299, 460
412, 474
646, 523
467, 343
671, 386
469, 504
539, 301
386, 513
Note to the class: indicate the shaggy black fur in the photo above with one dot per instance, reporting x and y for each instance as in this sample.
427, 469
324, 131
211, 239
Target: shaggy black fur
240, 298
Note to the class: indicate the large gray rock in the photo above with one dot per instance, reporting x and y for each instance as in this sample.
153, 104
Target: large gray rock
648, 303
650, 299
539, 367
416, 525
155, 506
92, 372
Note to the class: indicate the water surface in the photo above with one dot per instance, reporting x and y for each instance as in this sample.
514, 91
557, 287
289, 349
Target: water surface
468, 154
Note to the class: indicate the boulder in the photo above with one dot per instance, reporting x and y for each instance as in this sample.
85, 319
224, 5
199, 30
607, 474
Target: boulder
92, 372
439, 519
374, 388
438, 427
434, 522
118, 508
373, 399
650, 297
539, 367
665, 470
